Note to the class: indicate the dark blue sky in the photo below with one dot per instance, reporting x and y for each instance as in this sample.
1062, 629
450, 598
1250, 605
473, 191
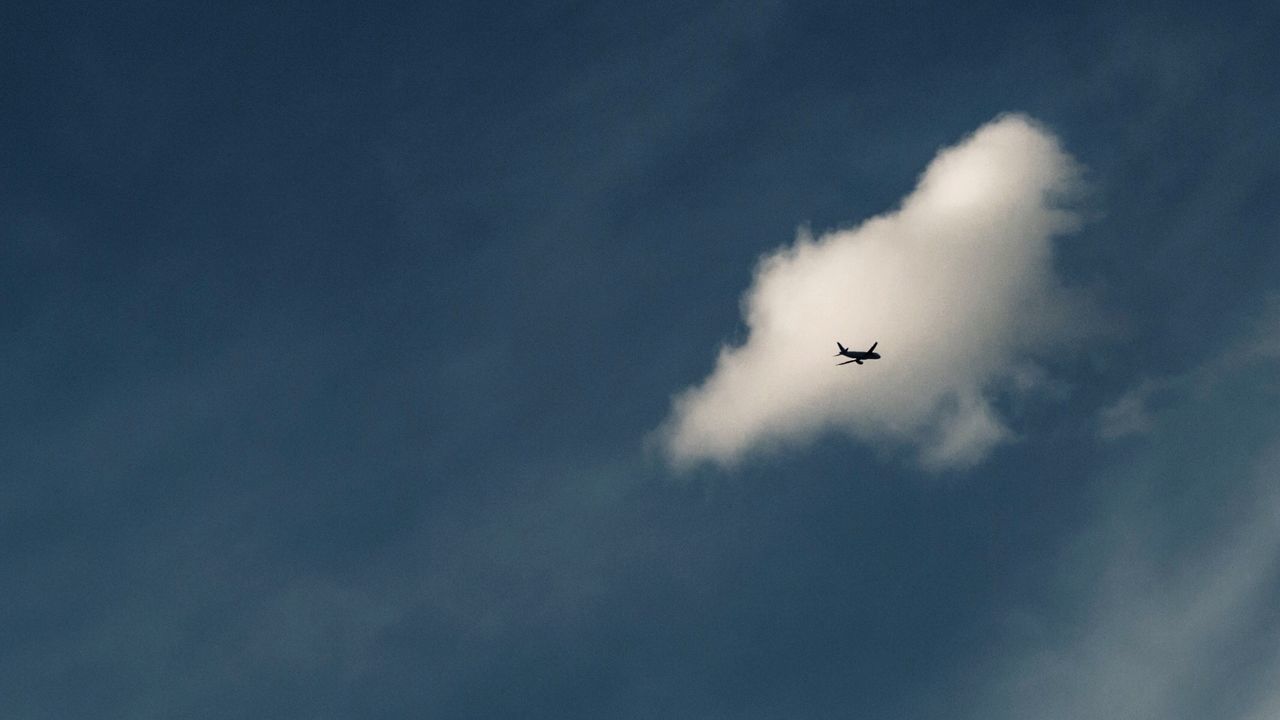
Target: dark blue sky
334, 341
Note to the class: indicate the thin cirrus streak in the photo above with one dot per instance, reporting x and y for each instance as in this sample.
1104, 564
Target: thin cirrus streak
957, 286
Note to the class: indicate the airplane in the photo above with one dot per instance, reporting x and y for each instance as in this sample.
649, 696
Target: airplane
857, 355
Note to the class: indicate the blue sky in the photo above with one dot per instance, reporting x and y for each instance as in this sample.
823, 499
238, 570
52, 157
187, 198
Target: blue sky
341, 345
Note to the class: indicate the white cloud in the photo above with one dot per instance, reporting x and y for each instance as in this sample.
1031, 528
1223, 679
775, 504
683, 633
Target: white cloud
956, 285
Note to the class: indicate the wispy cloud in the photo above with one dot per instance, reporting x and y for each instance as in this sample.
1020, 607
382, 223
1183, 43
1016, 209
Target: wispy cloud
1169, 627
1136, 410
1131, 413
957, 286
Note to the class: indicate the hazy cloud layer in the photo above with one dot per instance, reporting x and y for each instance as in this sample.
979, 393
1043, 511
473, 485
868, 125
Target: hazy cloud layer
956, 285
1168, 631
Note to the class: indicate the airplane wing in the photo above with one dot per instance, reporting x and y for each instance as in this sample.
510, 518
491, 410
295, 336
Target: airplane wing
847, 362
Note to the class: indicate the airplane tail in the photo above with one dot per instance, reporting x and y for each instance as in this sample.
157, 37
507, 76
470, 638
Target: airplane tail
842, 349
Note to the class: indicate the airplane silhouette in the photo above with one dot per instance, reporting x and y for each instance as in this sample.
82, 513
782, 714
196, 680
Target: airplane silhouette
857, 355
